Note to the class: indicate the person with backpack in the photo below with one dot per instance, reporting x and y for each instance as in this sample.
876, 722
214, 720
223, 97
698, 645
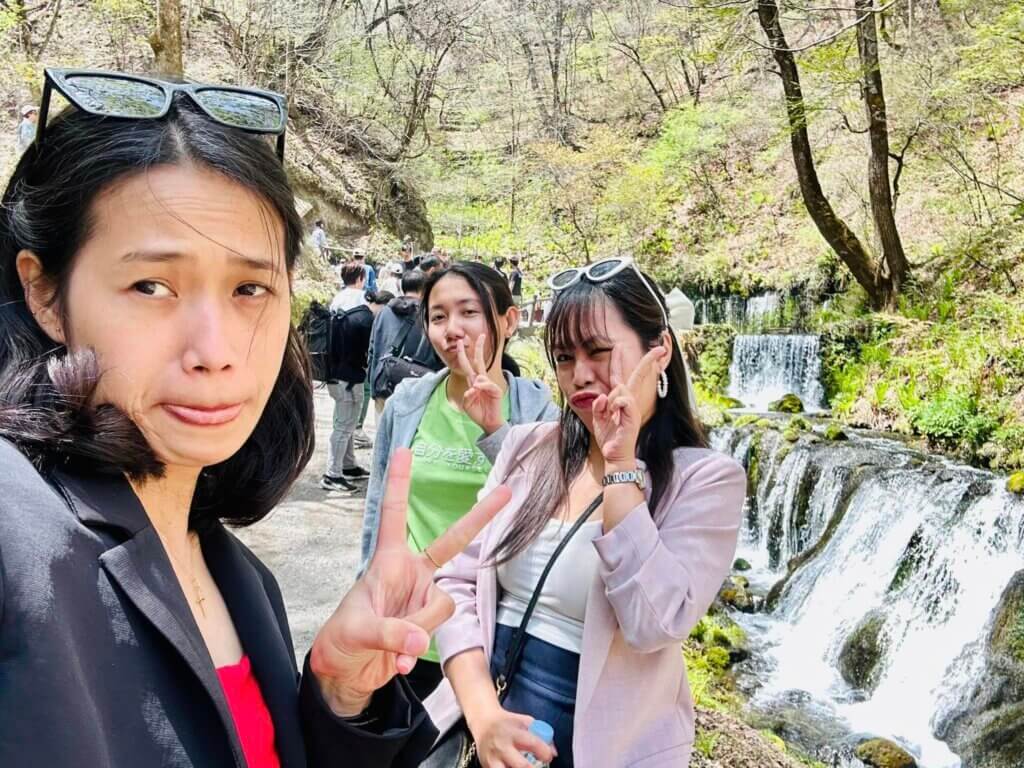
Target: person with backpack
351, 323
398, 347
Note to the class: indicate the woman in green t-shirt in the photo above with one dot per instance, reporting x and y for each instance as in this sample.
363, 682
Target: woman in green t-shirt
454, 421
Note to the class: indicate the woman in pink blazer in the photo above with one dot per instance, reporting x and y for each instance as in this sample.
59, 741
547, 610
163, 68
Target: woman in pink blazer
602, 661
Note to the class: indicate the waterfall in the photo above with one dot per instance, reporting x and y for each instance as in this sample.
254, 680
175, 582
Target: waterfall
767, 366
925, 543
757, 312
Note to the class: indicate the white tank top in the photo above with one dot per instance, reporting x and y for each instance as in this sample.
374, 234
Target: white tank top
562, 607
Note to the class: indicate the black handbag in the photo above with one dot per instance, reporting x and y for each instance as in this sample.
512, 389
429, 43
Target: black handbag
456, 748
396, 367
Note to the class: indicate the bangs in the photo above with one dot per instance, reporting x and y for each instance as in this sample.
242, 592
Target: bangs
577, 319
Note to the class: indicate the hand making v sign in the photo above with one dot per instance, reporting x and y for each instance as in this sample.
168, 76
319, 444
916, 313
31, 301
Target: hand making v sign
618, 416
385, 621
482, 401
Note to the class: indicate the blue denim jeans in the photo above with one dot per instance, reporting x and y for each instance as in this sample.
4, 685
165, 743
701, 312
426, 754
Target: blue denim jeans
543, 687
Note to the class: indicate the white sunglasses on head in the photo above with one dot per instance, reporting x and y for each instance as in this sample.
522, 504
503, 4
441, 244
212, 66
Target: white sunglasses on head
600, 271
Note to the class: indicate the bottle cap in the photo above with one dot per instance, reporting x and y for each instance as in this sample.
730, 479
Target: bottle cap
542, 731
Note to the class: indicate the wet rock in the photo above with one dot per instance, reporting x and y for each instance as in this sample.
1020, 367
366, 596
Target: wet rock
731, 402
1015, 483
913, 558
835, 432
735, 593
725, 742
807, 724
882, 753
986, 729
787, 404
741, 565
862, 654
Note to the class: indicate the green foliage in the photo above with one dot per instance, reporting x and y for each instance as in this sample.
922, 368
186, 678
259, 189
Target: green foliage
954, 419
707, 661
705, 743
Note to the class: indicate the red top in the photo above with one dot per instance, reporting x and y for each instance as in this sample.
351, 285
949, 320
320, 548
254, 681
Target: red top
252, 719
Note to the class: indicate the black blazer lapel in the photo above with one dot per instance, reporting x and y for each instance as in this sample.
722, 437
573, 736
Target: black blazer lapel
263, 635
140, 567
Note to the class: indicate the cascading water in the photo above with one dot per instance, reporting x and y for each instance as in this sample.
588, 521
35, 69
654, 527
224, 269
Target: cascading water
880, 530
767, 366
756, 312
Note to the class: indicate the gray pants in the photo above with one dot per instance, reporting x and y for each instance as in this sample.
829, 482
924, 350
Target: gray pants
348, 402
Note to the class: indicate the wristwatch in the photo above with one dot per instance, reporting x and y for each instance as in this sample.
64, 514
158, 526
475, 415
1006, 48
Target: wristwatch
633, 476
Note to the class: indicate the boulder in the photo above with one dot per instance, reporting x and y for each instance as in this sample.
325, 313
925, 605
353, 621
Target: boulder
787, 404
835, 432
735, 594
1015, 483
731, 402
862, 654
882, 753
986, 728
723, 741
741, 565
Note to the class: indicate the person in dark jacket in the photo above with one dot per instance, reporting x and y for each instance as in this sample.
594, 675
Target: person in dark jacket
351, 337
400, 322
153, 389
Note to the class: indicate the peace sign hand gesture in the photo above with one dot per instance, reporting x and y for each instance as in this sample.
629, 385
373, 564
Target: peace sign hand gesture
617, 415
482, 401
385, 621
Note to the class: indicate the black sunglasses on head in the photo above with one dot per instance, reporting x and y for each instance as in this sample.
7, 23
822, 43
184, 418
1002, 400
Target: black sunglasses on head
116, 94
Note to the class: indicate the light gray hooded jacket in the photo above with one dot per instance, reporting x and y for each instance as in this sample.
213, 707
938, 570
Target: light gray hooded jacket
529, 401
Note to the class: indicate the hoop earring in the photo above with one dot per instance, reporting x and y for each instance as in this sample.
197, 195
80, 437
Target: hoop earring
663, 385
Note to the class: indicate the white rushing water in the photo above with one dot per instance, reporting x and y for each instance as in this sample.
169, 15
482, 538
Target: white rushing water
767, 366
965, 529
758, 311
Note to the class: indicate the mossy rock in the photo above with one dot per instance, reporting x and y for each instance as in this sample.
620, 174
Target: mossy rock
787, 404
800, 423
1015, 483
862, 654
741, 565
763, 423
835, 432
791, 435
736, 596
745, 420
882, 753
718, 657
1007, 637
731, 402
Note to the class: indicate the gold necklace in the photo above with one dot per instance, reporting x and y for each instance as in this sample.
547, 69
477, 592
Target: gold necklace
199, 599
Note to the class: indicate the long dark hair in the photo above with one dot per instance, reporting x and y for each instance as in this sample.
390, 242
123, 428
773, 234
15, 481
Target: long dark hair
495, 296
46, 406
572, 322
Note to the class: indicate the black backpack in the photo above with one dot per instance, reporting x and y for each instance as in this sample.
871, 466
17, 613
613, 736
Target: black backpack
324, 333
400, 364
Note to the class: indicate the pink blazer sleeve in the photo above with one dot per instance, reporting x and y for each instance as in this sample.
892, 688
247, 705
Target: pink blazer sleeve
661, 580
458, 577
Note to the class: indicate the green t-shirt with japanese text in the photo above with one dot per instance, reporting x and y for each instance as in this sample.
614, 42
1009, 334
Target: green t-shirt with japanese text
448, 471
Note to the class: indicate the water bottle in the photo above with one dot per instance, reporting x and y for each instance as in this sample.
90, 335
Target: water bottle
545, 733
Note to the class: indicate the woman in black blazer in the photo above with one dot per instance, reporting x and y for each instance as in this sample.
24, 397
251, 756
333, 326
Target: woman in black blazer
152, 389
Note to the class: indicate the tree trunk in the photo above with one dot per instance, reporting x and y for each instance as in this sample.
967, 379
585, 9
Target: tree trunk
879, 188
166, 40
835, 231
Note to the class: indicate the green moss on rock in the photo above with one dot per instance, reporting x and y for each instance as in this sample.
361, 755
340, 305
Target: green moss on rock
882, 753
787, 404
835, 432
861, 657
1015, 483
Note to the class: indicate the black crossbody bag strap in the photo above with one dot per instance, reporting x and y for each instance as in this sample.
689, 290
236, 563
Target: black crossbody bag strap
519, 638
396, 348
